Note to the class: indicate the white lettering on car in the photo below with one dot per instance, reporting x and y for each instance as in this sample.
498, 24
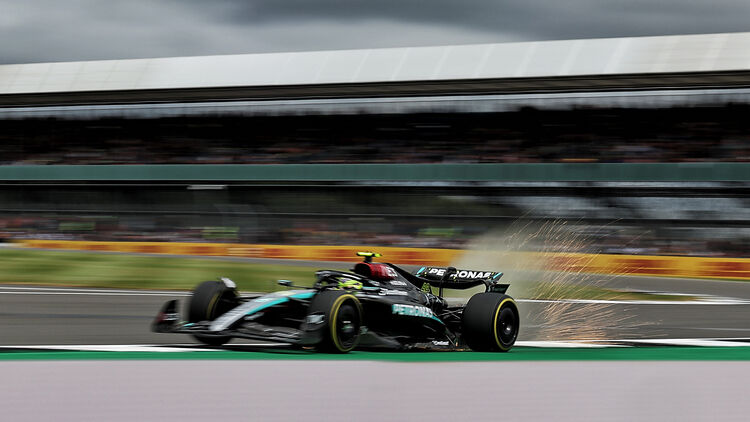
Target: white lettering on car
412, 310
473, 274
391, 292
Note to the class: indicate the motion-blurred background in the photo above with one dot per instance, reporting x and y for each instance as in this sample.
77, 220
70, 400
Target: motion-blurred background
640, 144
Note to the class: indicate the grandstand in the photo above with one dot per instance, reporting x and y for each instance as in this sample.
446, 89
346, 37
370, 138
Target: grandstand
667, 62
644, 136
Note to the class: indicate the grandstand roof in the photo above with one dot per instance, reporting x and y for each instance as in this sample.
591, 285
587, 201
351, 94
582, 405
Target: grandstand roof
655, 62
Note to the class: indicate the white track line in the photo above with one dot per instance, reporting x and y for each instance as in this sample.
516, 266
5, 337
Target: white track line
585, 344
8, 290
565, 344
90, 289
690, 342
131, 347
20, 290
702, 301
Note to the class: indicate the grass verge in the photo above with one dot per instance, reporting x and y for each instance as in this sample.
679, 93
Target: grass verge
89, 269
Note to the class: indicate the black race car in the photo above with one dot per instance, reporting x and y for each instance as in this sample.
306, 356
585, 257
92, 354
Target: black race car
375, 306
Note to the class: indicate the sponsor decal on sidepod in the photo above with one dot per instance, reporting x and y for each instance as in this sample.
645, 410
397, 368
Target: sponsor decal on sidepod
412, 310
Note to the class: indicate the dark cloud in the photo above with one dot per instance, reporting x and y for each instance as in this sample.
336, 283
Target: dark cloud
531, 19
51, 30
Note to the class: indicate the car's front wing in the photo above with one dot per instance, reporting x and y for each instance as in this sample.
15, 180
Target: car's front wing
168, 320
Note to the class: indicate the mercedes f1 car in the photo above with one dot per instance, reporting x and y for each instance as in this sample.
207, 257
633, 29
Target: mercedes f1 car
375, 306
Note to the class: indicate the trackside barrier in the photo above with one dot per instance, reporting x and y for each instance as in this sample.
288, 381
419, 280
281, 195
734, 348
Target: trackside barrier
667, 266
306, 253
646, 265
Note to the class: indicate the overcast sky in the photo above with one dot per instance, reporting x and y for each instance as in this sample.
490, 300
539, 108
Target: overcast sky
69, 30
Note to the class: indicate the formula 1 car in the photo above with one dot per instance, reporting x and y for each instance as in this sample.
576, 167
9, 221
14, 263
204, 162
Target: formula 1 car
375, 306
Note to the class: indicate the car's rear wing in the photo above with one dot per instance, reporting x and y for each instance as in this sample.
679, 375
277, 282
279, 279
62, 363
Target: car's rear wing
453, 275
452, 278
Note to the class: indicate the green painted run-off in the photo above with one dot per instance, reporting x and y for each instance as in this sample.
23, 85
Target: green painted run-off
517, 354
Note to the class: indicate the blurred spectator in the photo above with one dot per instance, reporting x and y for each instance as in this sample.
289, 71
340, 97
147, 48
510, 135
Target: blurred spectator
585, 135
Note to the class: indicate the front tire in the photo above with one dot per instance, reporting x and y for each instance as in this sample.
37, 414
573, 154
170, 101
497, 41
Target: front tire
343, 316
211, 299
490, 322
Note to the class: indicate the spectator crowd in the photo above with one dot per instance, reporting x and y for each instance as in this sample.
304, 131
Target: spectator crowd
525, 136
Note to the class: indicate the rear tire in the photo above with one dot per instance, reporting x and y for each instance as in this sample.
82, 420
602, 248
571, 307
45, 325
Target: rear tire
343, 316
490, 322
211, 299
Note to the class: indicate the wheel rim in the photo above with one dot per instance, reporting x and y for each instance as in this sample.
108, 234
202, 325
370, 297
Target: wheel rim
347, 326
507, 326
224, 303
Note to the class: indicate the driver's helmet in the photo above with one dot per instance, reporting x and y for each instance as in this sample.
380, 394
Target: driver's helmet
349, 284
379, 272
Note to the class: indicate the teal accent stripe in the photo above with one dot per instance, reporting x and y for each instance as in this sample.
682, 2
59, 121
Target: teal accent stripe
305, 295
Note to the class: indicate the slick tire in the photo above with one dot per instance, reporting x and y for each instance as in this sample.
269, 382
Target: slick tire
490, 322
343, 316
209, 300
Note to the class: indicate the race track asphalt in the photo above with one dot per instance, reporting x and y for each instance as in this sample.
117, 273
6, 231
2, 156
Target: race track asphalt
38, 315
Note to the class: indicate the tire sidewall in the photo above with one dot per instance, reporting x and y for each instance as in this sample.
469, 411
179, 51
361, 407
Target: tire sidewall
205, 301
330, 302
505, 303
480, 321
209, 300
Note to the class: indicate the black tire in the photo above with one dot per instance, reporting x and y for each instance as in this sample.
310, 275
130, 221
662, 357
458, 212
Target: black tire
490, 322
343, 316
209, 300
